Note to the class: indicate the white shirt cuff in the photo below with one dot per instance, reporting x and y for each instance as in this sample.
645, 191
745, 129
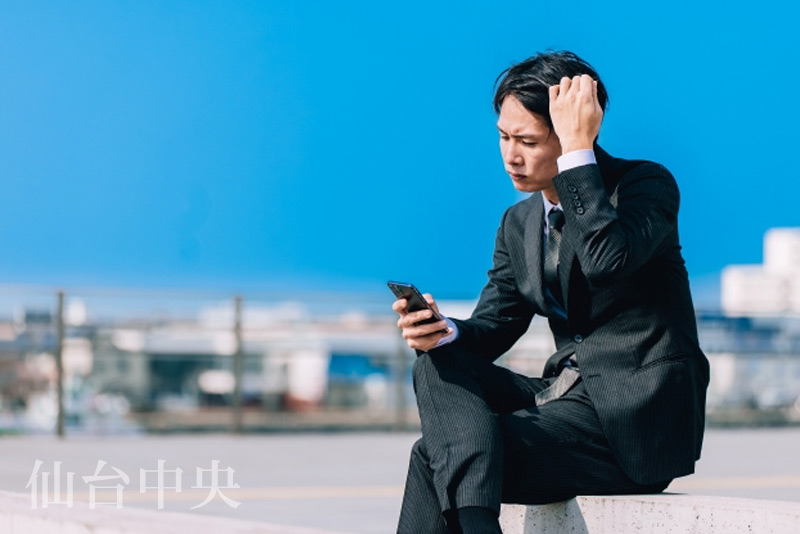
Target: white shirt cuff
449, 338
576, 158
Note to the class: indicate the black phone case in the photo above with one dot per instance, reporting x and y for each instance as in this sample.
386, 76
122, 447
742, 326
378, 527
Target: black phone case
416, 301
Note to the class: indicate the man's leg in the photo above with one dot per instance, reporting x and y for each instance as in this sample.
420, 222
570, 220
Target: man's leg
421, 511
557, 451
536, 454
459, 394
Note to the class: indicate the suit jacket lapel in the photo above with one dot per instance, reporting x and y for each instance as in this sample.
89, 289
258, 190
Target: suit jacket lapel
566, 258
533, 250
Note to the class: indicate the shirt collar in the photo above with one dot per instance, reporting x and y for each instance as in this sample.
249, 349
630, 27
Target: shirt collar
547, 207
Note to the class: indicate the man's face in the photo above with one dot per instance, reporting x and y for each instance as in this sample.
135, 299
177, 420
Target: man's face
529, 148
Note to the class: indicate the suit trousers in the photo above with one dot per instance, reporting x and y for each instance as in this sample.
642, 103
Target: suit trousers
484, 441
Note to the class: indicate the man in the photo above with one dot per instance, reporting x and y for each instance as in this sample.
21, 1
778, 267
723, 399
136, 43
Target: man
595, 249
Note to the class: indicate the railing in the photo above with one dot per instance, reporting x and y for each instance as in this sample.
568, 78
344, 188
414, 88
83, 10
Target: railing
118, 361
108, 361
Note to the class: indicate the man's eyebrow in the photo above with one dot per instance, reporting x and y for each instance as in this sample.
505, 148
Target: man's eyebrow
517, 136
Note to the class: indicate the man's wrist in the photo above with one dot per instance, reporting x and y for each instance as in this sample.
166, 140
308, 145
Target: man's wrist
576, 158
449, 338
572, 147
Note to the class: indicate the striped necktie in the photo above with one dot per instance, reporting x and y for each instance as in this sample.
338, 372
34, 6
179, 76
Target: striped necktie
556, 220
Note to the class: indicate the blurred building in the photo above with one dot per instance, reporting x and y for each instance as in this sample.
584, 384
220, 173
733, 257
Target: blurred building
754, 345
770, 288
292, 360
301, 360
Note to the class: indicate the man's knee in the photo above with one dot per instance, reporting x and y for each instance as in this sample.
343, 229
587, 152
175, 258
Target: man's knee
423, 358
419, 455
428, 365
422, 366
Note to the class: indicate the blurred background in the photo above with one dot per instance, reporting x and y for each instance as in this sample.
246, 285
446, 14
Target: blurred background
160, 160
204, 199
161, 360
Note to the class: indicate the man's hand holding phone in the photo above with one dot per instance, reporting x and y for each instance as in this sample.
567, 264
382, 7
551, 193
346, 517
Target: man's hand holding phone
421, 323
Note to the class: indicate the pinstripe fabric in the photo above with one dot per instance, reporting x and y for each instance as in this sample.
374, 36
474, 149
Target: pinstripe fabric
421, 511
635, 419
627, 298
459, 460
485, 442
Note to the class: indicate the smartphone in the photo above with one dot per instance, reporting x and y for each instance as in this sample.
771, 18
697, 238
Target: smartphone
416, 301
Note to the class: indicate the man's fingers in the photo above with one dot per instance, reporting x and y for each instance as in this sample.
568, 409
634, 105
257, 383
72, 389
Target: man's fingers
587, 87
400, 305
564, 86
412, 318
581, 86
424, 330
428, 297
425, 342
575, 86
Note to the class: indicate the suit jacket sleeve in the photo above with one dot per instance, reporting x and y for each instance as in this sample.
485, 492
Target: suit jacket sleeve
612, 243
502, 314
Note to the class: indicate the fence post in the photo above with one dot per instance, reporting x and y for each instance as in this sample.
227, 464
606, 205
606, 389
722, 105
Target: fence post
401, 366
237, 365
59, 354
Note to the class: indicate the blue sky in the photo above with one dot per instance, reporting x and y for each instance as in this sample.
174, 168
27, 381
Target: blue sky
334, 145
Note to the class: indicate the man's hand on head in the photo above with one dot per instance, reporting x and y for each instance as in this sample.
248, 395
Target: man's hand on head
422, 337
575, 112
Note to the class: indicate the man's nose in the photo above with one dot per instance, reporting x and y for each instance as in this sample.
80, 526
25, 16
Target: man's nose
511, 155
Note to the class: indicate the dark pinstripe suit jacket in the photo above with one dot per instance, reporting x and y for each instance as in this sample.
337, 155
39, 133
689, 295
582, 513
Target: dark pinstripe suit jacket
629, 310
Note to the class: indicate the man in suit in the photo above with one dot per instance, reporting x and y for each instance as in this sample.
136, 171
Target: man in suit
595, 250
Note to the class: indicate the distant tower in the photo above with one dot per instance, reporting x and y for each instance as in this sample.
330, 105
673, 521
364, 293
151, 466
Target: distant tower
771, 288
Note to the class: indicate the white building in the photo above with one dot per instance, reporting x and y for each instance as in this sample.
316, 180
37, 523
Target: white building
770, 288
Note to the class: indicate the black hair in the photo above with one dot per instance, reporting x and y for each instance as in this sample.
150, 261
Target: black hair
529, 81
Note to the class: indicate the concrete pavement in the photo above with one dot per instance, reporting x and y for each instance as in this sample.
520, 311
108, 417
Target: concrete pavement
344, 482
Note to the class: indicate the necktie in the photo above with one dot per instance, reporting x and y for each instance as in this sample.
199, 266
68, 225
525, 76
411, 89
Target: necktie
565, 365
556, 220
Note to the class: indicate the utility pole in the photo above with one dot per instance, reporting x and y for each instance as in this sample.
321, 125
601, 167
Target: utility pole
401, 399
238, 356
60, 363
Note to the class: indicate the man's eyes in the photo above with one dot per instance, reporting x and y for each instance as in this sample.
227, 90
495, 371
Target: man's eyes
524, 142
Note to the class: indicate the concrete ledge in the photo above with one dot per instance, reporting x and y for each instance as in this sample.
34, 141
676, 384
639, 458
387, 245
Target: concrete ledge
653, 514
17, 517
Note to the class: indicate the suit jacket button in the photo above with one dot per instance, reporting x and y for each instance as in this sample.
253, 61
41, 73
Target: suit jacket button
571, 188
577, 203
580, 210
578, 338
574, 195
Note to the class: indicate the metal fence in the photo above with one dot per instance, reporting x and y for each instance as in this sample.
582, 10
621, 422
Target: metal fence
111, 362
